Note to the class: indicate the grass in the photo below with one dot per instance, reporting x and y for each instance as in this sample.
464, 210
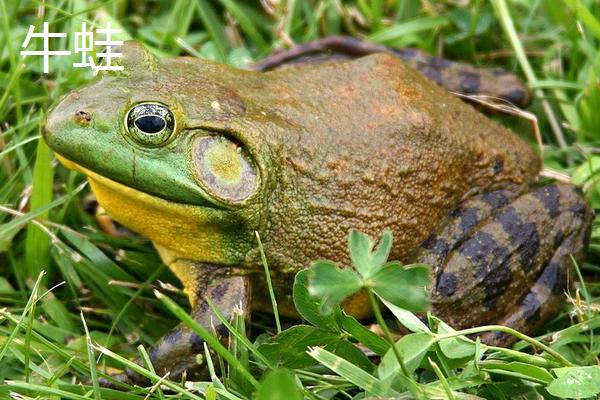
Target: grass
46, 349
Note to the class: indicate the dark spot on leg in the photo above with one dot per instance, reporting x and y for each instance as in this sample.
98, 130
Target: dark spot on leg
436, 246
447, 284
579, 210
495, 283
481, 248
498, 165
531, 308
530, 246
510, 221
468, 219
558, 239
495, 199
219, 290
173, 341
221, 330
516, 96
490, 262
456, 212
406, 54
433, 74
440, 63
154, 354
585, 237
173, 337
196, 343
523, 235
550, 198
554, 278
470, 82
201, 308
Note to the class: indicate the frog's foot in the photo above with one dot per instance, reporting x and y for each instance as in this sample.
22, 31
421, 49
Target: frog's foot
503, 259
542, 302
173, 355
180, 351
454, 76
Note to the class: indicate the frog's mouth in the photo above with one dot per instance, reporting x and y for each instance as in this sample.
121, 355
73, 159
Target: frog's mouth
103, 187
97, 180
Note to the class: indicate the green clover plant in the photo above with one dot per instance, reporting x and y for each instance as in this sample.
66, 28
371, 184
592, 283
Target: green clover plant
391, 282
402, 286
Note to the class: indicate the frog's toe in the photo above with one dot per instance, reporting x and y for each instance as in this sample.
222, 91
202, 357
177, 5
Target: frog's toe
504, 259
177, 352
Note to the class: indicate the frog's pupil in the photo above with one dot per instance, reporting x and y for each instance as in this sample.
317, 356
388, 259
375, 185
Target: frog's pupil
150, 124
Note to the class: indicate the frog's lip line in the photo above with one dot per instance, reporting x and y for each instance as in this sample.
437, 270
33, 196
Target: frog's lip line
119, 187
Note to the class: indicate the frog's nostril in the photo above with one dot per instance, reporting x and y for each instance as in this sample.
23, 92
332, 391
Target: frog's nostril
83, 117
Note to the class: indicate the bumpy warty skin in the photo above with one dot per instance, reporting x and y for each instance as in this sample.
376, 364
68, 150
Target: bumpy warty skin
372, 145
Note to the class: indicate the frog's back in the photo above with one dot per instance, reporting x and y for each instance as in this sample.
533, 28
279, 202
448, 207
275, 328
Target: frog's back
371, 144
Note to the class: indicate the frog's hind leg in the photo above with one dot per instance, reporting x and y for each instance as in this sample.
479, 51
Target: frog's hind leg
542, 302
545, 298
504, 259
177, 352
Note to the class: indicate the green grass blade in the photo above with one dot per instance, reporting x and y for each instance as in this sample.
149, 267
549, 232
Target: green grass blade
244, 340
263, 258
213, 26
42, 390
148, 363
351, 372
37, 243
144, 372
397, 31
32, 299
91, 358
584, 14
247, 25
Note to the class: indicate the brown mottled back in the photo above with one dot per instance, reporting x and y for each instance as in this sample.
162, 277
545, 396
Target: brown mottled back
371, 144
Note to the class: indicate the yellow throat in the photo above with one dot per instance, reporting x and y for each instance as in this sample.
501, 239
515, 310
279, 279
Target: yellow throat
177, 230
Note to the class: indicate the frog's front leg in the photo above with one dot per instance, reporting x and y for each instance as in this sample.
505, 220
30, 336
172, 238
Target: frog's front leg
228, 290
504, 259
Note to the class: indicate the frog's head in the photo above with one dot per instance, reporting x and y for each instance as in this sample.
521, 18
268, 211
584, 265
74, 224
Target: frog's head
167, 153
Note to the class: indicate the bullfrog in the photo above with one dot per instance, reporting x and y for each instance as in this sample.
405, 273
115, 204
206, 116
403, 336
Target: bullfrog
199, 156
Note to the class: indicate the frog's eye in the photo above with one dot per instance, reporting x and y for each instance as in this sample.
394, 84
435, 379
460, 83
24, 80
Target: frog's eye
150, 124
224, 168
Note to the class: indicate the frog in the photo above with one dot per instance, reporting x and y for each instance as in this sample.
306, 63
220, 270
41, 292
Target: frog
201, 158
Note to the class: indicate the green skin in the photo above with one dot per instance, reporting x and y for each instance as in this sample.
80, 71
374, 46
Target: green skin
368, 144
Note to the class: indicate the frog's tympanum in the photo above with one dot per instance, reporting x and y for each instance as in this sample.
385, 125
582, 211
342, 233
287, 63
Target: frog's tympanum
198, 156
